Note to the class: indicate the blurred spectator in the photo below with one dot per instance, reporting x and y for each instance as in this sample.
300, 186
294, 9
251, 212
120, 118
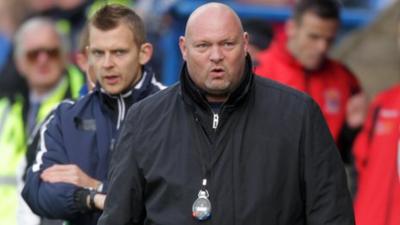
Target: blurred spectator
301, 62
260, 36
377, 154
40, 58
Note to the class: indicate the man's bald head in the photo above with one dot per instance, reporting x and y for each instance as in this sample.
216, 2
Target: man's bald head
214, 48
212, 11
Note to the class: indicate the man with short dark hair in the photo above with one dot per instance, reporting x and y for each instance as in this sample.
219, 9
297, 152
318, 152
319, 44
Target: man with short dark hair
301, 61
228, 148
69, 178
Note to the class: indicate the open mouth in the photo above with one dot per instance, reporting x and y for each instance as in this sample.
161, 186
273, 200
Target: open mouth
111, 79
218, 72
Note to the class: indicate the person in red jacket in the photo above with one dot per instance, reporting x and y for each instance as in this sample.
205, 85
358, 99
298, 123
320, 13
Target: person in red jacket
300, 61
377, 157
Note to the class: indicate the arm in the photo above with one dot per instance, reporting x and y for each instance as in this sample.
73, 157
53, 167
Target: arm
327, 199
362, 143
52, 200
356, 113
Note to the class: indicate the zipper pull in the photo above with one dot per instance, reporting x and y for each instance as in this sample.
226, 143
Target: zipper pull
215, 121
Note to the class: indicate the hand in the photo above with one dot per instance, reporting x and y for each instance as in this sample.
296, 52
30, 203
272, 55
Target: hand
356, 111
71, 174
99, 200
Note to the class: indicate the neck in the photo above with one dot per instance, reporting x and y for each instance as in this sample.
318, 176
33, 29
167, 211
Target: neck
217, 99
138, 77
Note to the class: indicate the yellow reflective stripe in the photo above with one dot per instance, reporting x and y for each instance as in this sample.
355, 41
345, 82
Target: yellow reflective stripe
76, 81
8, 205
12, 140
49, 104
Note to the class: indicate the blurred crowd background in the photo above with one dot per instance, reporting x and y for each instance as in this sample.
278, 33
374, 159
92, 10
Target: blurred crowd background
367, 42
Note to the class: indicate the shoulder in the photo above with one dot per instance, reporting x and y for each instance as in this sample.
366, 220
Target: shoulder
278, 99
155, 103
273, 89
70, 108
391, 94
340, 68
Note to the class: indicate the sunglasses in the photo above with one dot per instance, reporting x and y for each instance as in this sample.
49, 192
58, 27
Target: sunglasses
52, 53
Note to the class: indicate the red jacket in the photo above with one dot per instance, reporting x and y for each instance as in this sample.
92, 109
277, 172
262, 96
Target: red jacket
330, 87
377, 160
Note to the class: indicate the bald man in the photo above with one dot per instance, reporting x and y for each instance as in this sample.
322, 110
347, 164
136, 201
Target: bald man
225, 146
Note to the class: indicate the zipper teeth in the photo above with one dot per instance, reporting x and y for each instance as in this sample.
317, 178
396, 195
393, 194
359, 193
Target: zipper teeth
121, 109
215, 121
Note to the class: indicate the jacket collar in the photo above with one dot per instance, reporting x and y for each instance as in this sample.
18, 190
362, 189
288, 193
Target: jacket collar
193, 94
131, 95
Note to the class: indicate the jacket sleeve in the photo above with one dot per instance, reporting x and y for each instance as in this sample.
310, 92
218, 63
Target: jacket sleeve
124, 203
362, 142
327, 198
51, 200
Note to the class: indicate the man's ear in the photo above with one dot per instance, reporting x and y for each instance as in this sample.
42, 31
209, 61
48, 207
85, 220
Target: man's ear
145, 53
246, 41
182, 46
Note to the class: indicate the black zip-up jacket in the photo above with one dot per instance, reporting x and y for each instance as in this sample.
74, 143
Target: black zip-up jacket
271, 156
80, 133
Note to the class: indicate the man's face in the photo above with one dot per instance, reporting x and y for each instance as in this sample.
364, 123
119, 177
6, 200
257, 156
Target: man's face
215, 51
115, 58
41, 61
311, 38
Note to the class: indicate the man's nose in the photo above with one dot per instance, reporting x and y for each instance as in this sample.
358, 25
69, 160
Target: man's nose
108, 61
42, 57
216, 54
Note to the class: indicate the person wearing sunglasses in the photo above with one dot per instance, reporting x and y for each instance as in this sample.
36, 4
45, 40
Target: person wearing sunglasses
40, 58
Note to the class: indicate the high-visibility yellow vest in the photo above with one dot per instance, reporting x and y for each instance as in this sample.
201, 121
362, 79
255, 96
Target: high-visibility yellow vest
13, 140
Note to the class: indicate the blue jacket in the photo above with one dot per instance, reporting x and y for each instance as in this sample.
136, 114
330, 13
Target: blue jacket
83, 134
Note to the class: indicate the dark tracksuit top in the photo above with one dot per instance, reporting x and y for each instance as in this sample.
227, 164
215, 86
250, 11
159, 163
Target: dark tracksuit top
80, 133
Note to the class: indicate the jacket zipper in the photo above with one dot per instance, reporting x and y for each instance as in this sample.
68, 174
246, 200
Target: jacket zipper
121, 111
215, 121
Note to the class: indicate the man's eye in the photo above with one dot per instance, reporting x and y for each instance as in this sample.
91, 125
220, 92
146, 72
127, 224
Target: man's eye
202, 45
97, 53
229, 44
119, 52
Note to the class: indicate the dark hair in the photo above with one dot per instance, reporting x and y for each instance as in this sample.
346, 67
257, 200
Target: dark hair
260, 32
326, 9
112, 15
